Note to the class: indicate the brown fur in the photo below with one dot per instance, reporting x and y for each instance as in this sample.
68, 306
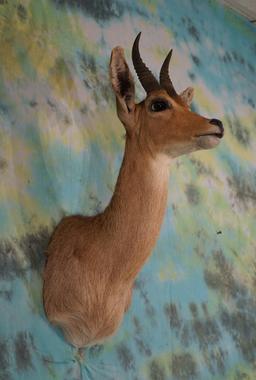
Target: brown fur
92, 262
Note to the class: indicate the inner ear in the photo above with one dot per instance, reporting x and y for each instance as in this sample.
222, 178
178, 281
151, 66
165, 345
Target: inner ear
187, 95
121, 79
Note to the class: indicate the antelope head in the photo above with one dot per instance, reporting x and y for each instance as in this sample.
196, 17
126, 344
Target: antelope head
163, 122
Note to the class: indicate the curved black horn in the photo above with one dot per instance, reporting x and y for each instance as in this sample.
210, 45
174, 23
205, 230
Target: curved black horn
165, 80
145, 76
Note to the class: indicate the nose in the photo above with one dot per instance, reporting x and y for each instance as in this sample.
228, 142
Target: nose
218, 123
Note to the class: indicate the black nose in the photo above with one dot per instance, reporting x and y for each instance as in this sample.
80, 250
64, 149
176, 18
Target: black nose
218, 123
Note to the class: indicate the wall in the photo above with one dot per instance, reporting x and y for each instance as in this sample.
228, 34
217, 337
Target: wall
194, 305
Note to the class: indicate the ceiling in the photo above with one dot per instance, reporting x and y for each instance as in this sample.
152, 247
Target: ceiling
246, 8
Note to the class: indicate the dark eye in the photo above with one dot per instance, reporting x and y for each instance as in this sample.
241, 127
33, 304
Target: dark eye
159, 105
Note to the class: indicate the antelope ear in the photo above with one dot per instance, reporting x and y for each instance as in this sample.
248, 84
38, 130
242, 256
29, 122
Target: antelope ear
123, 84
187, 95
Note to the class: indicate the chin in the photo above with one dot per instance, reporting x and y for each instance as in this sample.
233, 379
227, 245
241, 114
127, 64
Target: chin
208, 142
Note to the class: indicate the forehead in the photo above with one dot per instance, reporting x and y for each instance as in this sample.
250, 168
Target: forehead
162, 94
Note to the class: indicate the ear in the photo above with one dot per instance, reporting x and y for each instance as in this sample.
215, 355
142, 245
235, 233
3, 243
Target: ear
187, 95
123, 86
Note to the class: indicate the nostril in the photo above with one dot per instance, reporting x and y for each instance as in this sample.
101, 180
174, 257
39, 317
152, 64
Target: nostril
218, 123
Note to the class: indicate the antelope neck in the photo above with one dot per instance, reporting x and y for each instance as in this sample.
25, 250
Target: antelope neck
137, 207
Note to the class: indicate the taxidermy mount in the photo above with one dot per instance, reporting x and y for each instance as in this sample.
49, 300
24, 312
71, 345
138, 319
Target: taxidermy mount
93, 261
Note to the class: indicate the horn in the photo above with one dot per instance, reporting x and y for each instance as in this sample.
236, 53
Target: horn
146, 78
165, 80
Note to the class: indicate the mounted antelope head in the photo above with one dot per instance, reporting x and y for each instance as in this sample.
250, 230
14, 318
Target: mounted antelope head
92, 262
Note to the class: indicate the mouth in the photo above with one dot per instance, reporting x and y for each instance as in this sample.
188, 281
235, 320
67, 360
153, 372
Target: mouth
219, 135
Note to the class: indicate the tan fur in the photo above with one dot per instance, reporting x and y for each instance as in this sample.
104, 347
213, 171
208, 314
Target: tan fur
92, 262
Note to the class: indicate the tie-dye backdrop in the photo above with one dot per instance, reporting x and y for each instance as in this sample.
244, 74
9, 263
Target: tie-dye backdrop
193, 314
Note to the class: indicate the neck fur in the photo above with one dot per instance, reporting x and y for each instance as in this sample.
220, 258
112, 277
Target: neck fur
136, 210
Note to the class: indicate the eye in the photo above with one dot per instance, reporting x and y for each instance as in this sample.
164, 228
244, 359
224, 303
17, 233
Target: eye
159, 105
